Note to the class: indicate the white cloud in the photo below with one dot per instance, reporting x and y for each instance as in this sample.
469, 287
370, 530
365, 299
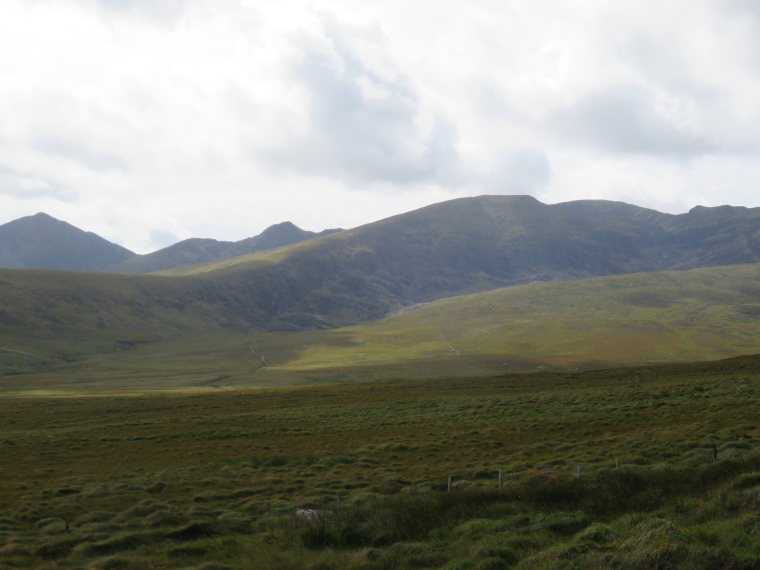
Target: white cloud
147, 119
26, 187
365, 122
629, 120
76, 151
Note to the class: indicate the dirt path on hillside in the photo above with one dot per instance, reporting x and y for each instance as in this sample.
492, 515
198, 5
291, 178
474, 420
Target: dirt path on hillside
445, 340
19, 352
259, 356
464, 356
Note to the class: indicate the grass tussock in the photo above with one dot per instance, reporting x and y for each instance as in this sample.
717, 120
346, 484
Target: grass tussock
653, 467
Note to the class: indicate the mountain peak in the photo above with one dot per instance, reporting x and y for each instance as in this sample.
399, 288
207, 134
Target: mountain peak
38, 218
282, 227
193, 251
41, 241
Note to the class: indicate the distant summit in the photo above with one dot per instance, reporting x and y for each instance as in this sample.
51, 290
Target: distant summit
43, 242
456, 247
196, 250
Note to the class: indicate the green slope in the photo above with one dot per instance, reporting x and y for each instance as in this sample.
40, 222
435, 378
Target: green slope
624, 320
50, 318
698, 315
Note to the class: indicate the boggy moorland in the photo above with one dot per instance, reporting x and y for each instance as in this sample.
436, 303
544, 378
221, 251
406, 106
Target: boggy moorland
655, 467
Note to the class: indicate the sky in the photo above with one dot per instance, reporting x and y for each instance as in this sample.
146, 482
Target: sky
152, 121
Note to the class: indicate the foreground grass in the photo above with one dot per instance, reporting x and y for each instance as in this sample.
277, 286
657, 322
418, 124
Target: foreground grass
176, 481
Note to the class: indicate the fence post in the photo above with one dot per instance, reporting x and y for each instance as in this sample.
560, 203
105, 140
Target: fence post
448, 488
501, 480
617, 465
578, 473
339, 500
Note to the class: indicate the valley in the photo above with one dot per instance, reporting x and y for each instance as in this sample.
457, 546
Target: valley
627, 320
352, 400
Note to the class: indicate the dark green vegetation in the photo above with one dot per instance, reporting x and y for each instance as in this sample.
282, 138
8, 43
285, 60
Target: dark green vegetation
186, 481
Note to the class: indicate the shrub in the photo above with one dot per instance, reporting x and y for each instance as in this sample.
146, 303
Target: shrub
119, 543
48, 522
213, 566
492, 564
94, 517
746, 481
116, 563
596, 533
189, 550
193, 531
60, 547
143, 509
751, 524
14, 549
501, 552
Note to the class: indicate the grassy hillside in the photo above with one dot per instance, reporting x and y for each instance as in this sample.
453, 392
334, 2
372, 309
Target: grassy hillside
48, 319
610, 321
59, 316
594, 323
453, 248
190, 481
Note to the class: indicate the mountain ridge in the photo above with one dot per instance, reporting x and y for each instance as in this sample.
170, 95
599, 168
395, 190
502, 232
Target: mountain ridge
200, 250
456, 247
41, 241
477, 244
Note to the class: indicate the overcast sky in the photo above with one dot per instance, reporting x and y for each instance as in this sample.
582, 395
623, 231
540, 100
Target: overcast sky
151, 121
